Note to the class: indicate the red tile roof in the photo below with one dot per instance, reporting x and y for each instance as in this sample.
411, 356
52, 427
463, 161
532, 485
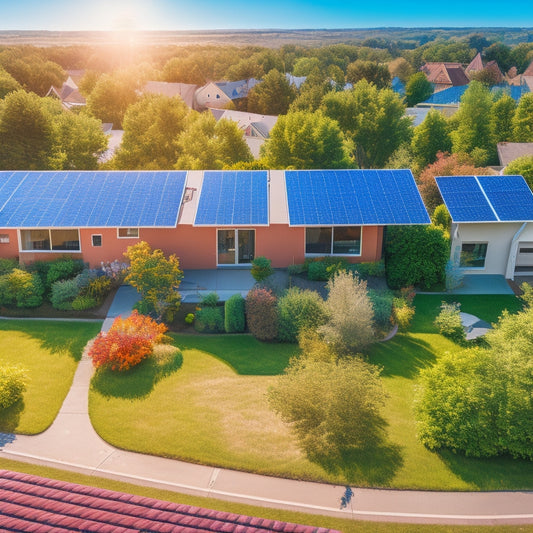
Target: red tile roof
31, 503
451, 74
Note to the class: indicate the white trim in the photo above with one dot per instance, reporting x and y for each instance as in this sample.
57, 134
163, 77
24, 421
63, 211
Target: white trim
92, 240
51, 251
128, 236
4, 238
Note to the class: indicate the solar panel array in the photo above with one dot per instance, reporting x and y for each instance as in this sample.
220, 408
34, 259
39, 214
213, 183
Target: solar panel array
353, 197
233, 198
90, 199
487, 198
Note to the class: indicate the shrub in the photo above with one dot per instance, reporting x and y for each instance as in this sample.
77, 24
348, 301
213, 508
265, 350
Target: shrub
209, 300
83, 279
403, 315
62, 269
365, 270
128, 342
317, 271
82, 303
63, 293
98, 288
189, 318
234, 318
297, 311
382, 306
8, 265
261, 268
294, 270
12, 385
209, 320
261, 314
449, 323
21, 288
114, 271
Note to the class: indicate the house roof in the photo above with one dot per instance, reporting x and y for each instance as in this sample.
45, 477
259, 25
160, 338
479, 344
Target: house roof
297, 81
451, 95
445, 74
494, 67
476, 64
487, 198
398, 86
76, 199
185, 91
263, 123
508, 152
31, 503
237, 89
529, 70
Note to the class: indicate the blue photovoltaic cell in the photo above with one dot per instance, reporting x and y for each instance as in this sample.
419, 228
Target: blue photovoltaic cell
233, 198
465, 199
353, 197
510, 197
90, 199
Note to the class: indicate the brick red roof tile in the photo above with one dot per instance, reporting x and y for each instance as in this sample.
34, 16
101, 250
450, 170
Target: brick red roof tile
34, 504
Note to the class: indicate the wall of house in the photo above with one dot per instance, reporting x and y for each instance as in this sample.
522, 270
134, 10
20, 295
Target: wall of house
207, 97
9, 250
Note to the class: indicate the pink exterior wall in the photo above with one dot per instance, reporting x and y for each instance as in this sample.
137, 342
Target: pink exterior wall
9, 250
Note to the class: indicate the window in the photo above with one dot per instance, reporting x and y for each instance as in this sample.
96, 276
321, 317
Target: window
128, 233
50, 240
473, 254
96, 240
228, 253
341, 240
4, 238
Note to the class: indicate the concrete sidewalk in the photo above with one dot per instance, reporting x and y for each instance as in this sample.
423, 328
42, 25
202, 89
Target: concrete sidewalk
71, 443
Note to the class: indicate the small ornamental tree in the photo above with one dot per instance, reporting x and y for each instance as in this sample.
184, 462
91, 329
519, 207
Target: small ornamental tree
128, 342
12, 385
262, 314
521, 166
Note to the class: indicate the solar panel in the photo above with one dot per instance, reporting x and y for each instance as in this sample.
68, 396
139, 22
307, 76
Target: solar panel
90, 199
233, 198
510, 196
465, 199
353, 197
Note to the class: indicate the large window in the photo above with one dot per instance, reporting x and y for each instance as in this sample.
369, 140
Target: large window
236, 246
128, 233
341, 240
50, 240
473, 254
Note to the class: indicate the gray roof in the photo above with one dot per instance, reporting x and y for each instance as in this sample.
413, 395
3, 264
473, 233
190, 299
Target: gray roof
508, 152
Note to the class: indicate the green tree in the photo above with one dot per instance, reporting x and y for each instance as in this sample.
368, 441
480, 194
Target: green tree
349, 327
88, 82
501, 53
431, 137
501, 120
8, 83
418, 89
183, 70
402, 68
473, 119
523, 120
403, 157
305, 65
521, 166
371, 71
331, 407
156, 277
372, 119
305, 140
151, 129
272, 96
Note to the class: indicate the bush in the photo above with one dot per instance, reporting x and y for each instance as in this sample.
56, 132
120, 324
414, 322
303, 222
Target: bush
234, 317
261, 268
209, 320
128, 342
403, 315
449, 323
415, 255
209, 300
62, 269
261, 314
83, 279
98, 288
63, 294
365, 270
8, 265
294, 270
189, 318
21, 288
317, 271
12, 385
298, 311
82, 303
382, 306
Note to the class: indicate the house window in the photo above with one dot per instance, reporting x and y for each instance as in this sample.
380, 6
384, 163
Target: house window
96, 240
341, 240
50, 240
128, 233
4, 238
235, 246
473, 254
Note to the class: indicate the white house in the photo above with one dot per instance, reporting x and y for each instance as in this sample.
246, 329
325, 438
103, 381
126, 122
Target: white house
492, 223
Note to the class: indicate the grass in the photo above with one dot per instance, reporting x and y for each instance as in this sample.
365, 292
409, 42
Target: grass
345, 525
213, 410
50, 352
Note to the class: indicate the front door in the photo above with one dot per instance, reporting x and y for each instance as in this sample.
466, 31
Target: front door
235, 246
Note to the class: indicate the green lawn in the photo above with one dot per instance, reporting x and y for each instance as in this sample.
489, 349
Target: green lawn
49, 351
212, 409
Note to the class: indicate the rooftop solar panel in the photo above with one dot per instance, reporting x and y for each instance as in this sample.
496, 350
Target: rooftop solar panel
510, 196
353, 197
233, 198
90, 199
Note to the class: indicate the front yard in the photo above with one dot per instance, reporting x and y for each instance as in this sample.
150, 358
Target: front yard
212, 409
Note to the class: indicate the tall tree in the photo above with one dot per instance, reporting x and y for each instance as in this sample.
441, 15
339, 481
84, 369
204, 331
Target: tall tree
272, 96
523, 120
306, 140
501, 120
372, 119
431, 137
8, 83
501, 53
371, 71
402, 68
418, 89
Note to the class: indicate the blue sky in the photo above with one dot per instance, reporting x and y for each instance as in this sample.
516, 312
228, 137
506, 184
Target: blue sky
250, 14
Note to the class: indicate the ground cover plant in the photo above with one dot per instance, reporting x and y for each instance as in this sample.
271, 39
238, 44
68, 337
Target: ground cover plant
214, 410
49, 352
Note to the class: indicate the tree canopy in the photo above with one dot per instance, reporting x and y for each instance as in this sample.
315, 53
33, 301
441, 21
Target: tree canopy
431, 137
272, 96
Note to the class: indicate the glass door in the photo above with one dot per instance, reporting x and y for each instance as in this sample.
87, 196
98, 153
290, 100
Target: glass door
246, 246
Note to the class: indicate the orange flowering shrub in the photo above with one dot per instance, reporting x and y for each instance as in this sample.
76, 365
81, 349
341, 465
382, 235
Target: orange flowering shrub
127, 343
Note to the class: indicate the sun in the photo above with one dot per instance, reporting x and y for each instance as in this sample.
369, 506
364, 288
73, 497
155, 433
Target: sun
121, 15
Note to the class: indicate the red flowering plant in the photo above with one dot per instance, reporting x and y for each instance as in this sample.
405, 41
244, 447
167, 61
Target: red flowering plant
128, 342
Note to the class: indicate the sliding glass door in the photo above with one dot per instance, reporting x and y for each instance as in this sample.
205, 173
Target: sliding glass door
235, 246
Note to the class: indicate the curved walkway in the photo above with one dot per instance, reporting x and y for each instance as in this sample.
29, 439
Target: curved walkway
71, 443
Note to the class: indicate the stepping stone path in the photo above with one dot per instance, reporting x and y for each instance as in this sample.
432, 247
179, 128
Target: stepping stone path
474, 327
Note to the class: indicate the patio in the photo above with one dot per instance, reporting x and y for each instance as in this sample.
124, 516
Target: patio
483, 284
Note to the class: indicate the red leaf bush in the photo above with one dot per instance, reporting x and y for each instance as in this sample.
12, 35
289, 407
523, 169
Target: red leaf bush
127, 343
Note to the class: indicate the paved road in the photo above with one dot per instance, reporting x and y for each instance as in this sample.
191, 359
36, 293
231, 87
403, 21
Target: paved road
71, 443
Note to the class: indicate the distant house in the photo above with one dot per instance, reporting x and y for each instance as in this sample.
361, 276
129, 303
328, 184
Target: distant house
508, 152
492, 223
445, 75
476, 65
185, 91
220, 94
296, 81
398, 86
256, 128
68, 94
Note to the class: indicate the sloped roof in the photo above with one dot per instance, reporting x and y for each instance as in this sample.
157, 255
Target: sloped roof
297, 81
31, 503
185, 91
445, 73
237, 89
529, 70
494, 67
398, 86
451, 95
263, 123
508, 152
476, 64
